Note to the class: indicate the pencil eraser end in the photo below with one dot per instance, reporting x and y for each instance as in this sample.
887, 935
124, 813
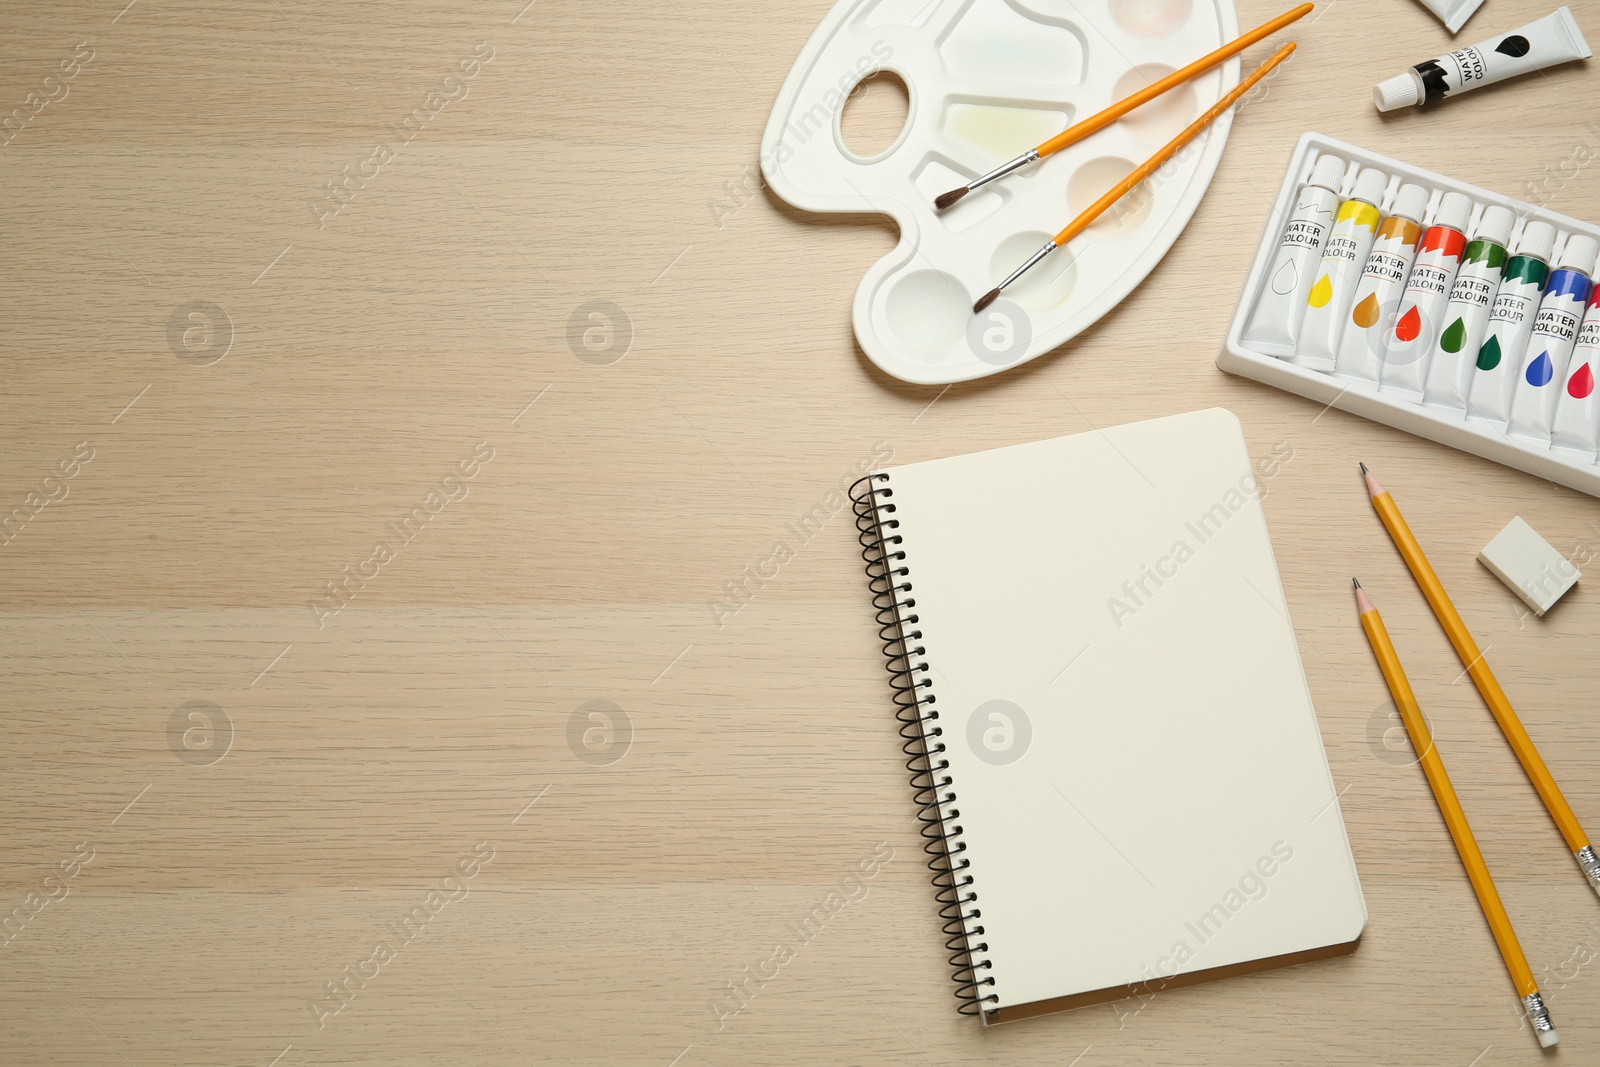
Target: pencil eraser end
1529, 565
1548, 1038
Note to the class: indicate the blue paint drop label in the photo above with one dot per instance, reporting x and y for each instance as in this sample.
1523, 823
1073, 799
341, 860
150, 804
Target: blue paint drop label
1540, 370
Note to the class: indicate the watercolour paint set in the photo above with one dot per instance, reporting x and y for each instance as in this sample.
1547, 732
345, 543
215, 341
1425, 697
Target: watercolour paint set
1431, 305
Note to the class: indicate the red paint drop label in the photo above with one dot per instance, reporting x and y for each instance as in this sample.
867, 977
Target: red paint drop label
1581, 384
1409, 326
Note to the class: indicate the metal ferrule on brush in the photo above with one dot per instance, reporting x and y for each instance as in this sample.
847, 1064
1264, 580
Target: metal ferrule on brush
1590, 864
1003, 169
1538, 1014
1050, 246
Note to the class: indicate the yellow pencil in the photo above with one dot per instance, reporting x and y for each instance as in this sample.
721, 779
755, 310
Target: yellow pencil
1456, 821
1484, 679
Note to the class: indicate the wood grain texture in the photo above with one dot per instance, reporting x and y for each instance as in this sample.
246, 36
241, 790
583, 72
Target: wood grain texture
375, 750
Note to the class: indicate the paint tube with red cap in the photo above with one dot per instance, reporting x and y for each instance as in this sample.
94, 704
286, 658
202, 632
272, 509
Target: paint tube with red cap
1422, 305
1577, 424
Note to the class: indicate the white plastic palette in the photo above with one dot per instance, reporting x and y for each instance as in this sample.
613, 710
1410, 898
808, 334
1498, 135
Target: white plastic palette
1445, 425
989, 79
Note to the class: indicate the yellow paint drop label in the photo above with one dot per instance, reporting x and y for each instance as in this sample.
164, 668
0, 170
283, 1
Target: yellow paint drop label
1321, 293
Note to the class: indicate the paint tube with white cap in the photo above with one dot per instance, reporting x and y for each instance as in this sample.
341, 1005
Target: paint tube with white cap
1421, 306
1543, 43
1453, 13
1328, 304
1577, 423
1555, 330
1281, 307
1510, 323
1466, 316
1382, 281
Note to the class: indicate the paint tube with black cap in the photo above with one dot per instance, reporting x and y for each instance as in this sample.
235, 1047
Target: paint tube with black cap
1545, 42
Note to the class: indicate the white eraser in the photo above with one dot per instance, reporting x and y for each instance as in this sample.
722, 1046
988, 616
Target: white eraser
1548, 1038
1528, 563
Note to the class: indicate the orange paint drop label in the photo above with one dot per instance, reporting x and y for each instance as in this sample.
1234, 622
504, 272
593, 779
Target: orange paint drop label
1321, 293
1409, 326
1366, 313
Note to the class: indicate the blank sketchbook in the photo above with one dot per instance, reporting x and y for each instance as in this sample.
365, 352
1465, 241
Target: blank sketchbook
1109, 725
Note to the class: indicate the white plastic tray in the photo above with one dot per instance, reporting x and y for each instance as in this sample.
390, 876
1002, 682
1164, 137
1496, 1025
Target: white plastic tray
1363, 398
989, 79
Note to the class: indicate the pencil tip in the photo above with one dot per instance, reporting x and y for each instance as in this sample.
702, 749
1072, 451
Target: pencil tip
1363, 467
985, 300
944, 200
1355, 583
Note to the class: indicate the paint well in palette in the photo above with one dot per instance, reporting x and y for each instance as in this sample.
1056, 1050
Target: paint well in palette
1094, 179
1163, 118
1151, 18
1003, 132
992, 35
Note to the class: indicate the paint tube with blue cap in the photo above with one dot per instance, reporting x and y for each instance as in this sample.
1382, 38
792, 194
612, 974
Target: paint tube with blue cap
1555, 332
1543, 43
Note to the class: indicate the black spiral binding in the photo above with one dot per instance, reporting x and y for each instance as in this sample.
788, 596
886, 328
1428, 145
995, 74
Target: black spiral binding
889, 579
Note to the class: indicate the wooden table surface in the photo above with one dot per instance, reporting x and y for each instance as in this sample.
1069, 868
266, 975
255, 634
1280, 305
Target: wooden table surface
519, 745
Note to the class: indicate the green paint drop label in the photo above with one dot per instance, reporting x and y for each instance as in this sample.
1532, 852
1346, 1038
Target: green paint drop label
1453, 335
1489, 354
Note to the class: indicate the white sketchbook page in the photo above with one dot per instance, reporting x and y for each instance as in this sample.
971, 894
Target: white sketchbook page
1174, 746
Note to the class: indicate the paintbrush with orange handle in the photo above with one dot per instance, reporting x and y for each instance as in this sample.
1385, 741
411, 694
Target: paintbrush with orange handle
1100, 120
1140, 173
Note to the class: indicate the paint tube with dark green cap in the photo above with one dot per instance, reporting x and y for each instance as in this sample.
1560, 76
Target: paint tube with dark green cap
1510, 324
1466, 316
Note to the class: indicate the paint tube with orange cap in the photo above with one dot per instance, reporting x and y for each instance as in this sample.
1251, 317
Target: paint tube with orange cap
1388, 268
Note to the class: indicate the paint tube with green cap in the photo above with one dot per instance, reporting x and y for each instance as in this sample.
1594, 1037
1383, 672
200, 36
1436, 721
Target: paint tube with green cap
1328, 304
1466, 316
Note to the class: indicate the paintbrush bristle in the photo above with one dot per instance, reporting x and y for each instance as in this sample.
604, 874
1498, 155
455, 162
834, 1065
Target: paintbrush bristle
944, 200
985, 300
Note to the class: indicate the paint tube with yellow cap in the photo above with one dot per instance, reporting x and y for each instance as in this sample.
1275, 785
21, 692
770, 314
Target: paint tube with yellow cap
1333, 292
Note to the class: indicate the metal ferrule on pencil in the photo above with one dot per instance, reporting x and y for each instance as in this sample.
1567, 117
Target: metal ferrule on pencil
1591, 865
1050, 246
1030, 156
1538, 1014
